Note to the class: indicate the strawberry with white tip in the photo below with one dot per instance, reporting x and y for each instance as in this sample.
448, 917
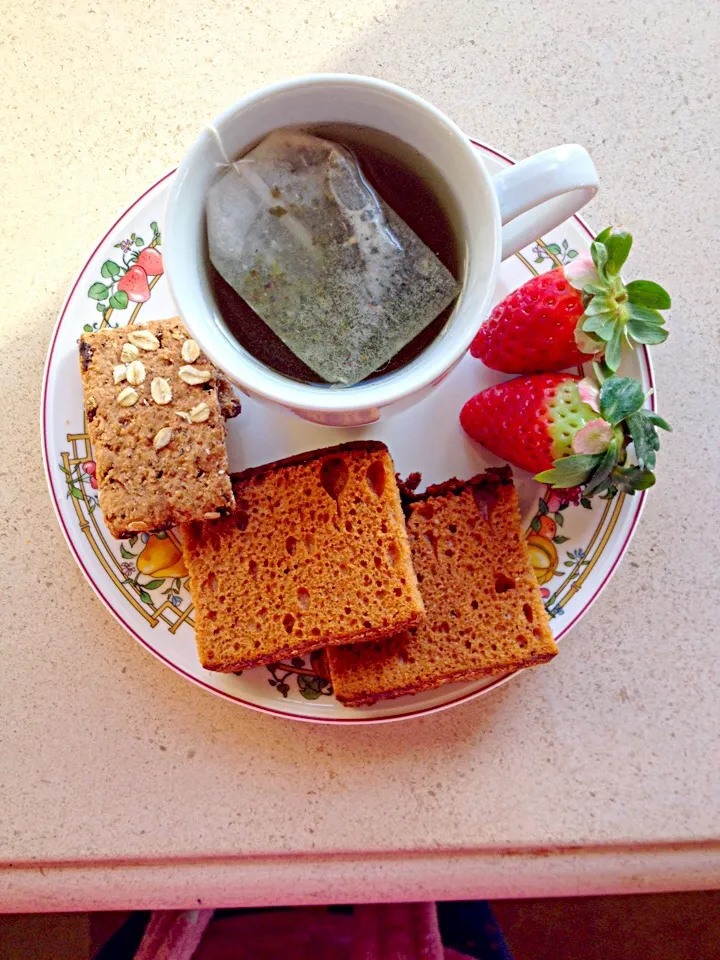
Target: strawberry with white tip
570, 431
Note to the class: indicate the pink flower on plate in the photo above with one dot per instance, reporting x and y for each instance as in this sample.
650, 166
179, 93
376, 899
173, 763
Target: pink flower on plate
594, 437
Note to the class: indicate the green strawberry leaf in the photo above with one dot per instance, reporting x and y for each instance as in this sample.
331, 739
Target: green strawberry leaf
631, 479
602, 325
644, 436
620, 397
657, 420
110, 269
154, 226
603, 235
570, 471
600, 303
98, 291
618, 247
646, 314
599, 254
601, 475
87, 328
642, 331
595, 289
613, 351
601, 371
645, 293
139, 241
119, 300
100, 307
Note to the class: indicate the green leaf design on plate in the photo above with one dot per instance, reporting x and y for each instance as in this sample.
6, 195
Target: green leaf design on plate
311, 688
139, 241
145, 597
110, 269
76, 492
98, 291
119, 300
87, 328
126, 553
100, 307
153, 584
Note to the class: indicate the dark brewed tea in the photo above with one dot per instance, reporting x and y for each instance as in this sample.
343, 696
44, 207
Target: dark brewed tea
412, 187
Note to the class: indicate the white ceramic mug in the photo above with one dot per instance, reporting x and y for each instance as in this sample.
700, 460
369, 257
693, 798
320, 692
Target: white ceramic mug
499, 216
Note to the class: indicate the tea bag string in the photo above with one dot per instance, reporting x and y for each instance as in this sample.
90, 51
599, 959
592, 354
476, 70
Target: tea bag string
243, 168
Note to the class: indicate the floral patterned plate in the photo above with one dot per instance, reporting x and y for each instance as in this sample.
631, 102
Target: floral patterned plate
575, 548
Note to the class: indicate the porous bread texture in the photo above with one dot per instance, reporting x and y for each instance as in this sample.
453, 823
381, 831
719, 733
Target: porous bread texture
316, 553
484, 611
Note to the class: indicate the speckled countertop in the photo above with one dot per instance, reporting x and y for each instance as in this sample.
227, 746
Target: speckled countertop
123, 784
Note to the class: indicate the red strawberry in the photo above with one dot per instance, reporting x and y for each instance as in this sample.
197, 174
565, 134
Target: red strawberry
569, 431
533, 328
577, 311
528, 421
135, 284
151, 261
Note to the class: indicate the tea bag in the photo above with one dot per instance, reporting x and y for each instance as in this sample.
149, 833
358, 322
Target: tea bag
299, 233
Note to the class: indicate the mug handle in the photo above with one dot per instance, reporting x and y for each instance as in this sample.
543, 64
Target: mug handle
539, 193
